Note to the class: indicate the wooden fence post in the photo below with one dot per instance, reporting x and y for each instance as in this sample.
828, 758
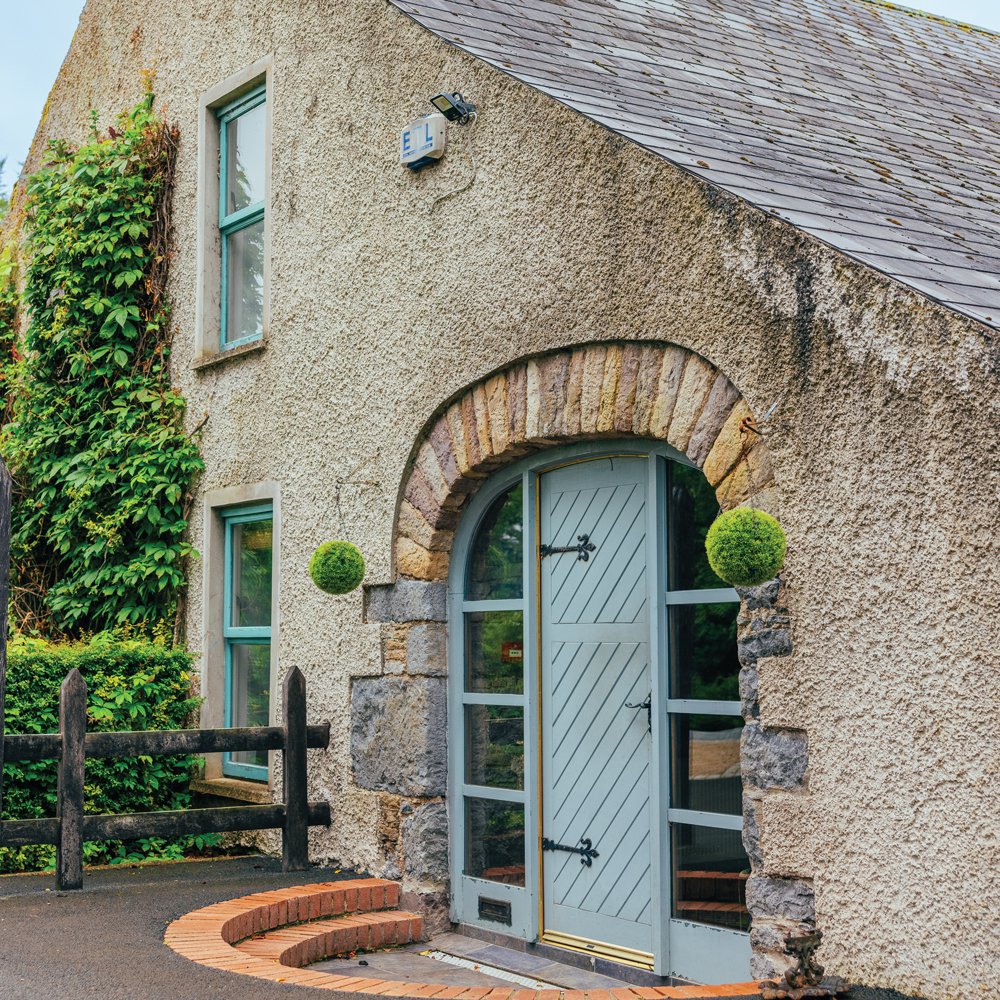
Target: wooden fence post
4, 594
295, 836
72, 731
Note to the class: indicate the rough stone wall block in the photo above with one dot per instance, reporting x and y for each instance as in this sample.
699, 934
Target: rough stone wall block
496, 410
456, 431
517, 403
574, 392
646, 385
692, 395
444, 451
779, 908
415, 562
407, 601
773, 758
727, 447
398, 735
721, 400
748, 478
481, 414
552, 385
671, 373
609, 389
624, 403
425, 845
426, 650
593, 383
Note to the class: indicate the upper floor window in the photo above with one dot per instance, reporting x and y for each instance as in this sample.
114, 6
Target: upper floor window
242, 176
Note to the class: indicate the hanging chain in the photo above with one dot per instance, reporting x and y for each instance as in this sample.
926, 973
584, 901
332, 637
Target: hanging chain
340, 482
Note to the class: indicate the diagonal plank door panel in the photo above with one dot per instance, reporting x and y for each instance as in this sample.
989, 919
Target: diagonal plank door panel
595, 659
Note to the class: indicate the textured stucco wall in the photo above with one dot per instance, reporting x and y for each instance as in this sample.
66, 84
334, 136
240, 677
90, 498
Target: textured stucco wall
883, 445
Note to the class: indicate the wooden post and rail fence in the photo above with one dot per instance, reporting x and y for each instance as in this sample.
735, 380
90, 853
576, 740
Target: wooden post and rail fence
72, 745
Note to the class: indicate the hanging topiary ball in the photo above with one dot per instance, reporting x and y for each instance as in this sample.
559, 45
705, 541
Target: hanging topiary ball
337, 567
745, 547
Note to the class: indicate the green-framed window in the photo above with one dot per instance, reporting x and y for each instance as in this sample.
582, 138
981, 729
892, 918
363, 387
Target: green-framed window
242, 182
246, 629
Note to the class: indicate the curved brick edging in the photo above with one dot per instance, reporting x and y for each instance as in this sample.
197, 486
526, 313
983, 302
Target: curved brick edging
269, 934
659, 391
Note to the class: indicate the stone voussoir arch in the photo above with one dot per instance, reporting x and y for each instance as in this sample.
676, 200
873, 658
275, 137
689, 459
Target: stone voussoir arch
602, 390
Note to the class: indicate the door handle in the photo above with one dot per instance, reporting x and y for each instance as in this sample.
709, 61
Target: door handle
648, 706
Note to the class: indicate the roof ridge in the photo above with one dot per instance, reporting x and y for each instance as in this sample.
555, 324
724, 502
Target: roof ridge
965, 25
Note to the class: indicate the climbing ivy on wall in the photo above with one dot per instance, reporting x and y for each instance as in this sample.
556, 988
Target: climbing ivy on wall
94, 435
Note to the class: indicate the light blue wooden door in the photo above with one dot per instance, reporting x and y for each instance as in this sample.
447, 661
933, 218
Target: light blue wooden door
595, 663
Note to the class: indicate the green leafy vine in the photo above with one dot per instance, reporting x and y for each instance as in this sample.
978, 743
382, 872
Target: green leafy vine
94, 436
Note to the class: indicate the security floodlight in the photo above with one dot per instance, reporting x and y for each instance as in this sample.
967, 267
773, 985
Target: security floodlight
454, 107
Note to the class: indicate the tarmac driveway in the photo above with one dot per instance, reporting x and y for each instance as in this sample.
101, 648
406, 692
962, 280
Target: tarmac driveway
106, 941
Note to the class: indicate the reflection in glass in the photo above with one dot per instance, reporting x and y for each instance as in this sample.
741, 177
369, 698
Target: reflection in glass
494, 746
710, 873
494, 652
494, 841
693, 508
245, 159
705, 761
251, 554
703, 660
249, 693
245, 282
495, 568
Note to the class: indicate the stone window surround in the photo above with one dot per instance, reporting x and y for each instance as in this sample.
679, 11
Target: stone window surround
208, 303
213, 645
604, 390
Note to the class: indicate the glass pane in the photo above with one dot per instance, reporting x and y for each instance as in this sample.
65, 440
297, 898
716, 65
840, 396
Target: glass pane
494, 746
706, 763
245, 159
693, 508
495, 562
245, 282
251, 553
494, 841
494, 652
710, 876
249, 693
703, 660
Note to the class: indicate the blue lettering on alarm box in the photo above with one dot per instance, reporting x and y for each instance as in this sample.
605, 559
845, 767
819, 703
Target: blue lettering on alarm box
422, 141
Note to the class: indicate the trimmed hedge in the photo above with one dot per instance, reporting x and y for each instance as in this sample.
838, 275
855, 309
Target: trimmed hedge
131, 684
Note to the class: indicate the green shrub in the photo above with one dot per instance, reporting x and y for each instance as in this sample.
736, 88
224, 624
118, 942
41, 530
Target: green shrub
745, 546
337, 567
131, 684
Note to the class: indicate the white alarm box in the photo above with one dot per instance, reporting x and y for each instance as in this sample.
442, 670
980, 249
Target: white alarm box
423, 141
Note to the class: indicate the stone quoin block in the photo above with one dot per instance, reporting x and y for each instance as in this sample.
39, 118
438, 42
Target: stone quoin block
773, 758
399, 735
789, 899
425, 843
764, 595
750, 691
760, 641
426, 650
407, 601
751, 833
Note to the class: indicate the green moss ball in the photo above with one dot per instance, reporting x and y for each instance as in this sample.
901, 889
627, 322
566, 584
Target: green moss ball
745, 547
337, 567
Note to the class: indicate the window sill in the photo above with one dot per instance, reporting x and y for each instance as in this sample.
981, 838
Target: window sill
204, 361
233, 788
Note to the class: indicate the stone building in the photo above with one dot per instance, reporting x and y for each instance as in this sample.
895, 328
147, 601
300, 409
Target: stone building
664, 217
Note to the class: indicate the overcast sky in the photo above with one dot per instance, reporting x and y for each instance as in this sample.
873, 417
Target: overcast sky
37, 35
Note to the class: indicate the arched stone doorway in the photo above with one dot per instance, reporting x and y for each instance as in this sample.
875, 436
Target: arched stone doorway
598, 392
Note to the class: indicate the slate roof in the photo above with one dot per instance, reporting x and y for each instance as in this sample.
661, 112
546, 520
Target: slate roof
870, 126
